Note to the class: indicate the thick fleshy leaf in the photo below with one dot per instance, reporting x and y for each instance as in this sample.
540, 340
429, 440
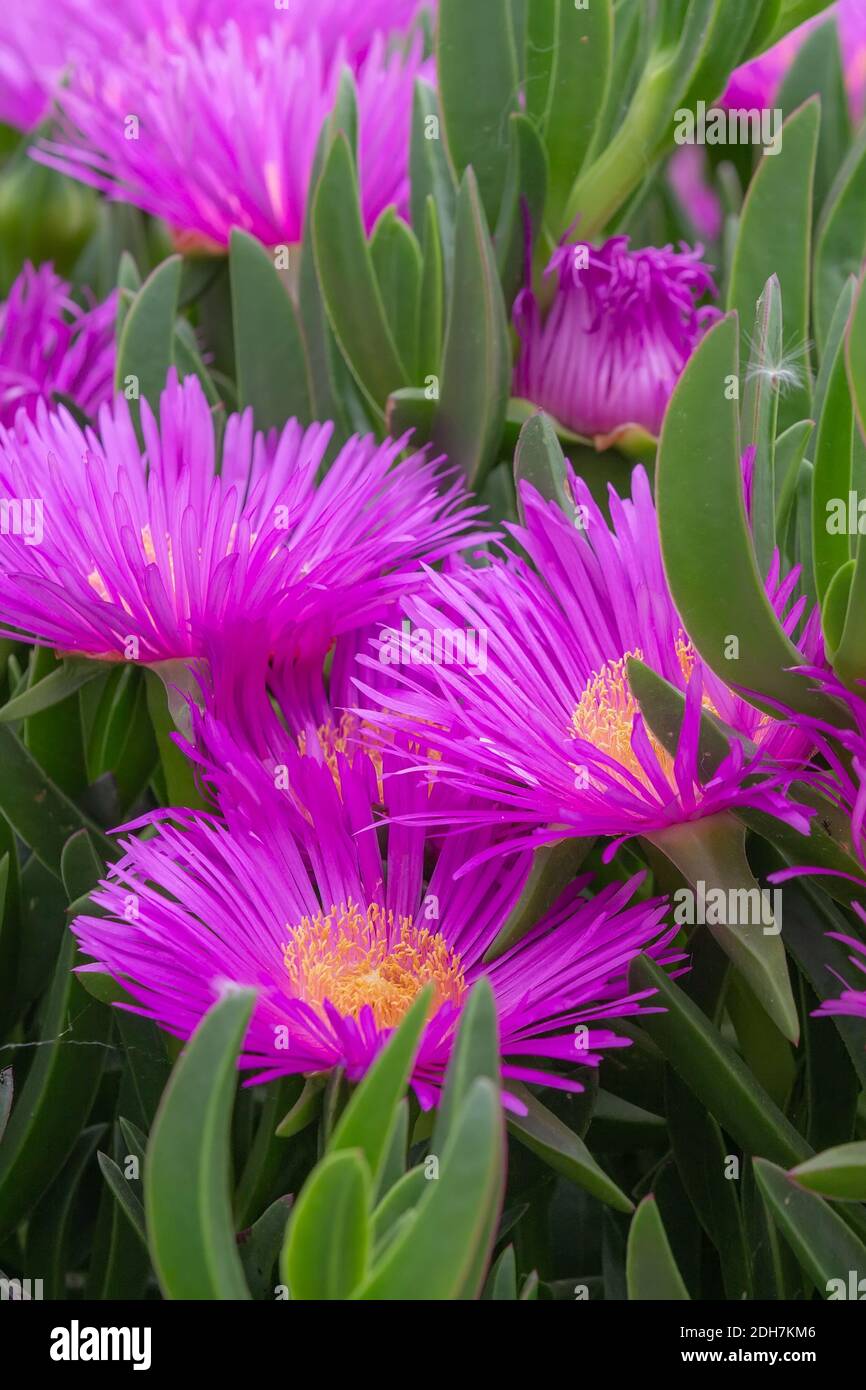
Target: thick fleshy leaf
840, 241
397, 263
431, 303
433, 1255
539, 460
62, 682
51, 1227
327, 1246
651, 1270
712, 852
700, 1153
575, 46
838, 1173
680, 66
817, 68
790, 450
38, 810
260, 1248
475, 1053
476, 367
165, 684
305, 1109
553, 868
523, 202
272, 374
824, 1245
759, 416
145, 348
832, 475
128, 1201
710, 1067
809, 917
54, 1101
502, 1283
775, 235
53, 735
702, 520
348, 280
856, 354
366, 1122
478, 94
563, 1150
186, 1178
430, 172
402, 1198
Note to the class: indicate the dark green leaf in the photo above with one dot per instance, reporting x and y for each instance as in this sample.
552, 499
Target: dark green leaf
430, 172
651, 1270
581, 52
701, 1157
775, 238
821, 1241
397, 263
434, 1255
478, 96
55, 1099
271, 360
186, 1178
367, 1120
840, 239
70, 676
838, 1173
39, 812
145, 348
562, 1149
710, 1067
126, 1199
476, 366
348, 280
702, 520
327, 1245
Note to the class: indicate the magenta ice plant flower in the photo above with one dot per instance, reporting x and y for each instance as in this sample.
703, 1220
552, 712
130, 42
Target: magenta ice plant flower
546, 733
339, 921
154, 554
52, 348
619, 332
340, 24
40, 40
33, 45
210, 136
756, 84
838, 772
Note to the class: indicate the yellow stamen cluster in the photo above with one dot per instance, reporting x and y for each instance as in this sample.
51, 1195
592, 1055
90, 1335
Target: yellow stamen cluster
604, 714
354, 957
334, 740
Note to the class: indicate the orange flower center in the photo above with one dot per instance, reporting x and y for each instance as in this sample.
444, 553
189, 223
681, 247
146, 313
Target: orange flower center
354, 958
604, 714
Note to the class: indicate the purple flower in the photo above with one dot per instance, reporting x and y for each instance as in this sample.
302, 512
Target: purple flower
621, 328
851, 1001
339, 931
32, 41
838, 772
547, 735
40, 39
339, 24
151, 555
756, 84
51, 347
210, 134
